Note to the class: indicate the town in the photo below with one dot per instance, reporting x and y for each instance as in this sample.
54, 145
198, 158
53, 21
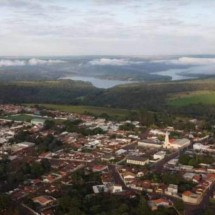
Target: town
45, 153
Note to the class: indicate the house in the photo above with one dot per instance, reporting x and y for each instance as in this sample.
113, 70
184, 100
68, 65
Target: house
192, 198
188, 176
154, 204
106, 178
115, 188
108, 157
100, 189
128, 176
161, 202
172, 190
44, 200
99, 168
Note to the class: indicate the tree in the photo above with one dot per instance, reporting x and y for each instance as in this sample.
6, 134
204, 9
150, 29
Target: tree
143, 208
46, 164
179, 205
5, 202
49, 124
127, 127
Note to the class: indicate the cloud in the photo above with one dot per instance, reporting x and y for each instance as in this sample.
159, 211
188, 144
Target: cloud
12, 63
112, 61
31, 62
188, 61
35, 61
195, 61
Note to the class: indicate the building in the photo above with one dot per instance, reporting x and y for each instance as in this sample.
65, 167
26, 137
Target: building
159, 155
172, 190
157, 132
154, 204
115, 188
149, 144
38, 121
44, 200
191, 198
128, 176
137, 160
100, 189
200, 147
176, 144
21, 148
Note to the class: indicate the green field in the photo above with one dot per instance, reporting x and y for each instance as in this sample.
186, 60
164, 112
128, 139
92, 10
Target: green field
87, 109
198, 97
21, 117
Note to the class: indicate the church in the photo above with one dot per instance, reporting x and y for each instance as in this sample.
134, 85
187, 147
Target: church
175, 144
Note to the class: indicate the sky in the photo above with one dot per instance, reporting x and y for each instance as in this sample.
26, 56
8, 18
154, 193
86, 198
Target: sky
106, 27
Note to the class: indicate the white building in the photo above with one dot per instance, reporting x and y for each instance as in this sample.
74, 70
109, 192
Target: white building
177, 144
149, 144
38, 121
159, 155
172, 190
157, 132
115, 188
200, 147
137, 160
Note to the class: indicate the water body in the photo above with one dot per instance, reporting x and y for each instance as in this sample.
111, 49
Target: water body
175, 74
97, 82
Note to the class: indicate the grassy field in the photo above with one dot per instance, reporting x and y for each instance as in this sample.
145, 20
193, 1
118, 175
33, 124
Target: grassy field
20, 117
87, 109
198, 97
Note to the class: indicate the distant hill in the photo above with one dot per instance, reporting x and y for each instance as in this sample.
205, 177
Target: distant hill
152, 96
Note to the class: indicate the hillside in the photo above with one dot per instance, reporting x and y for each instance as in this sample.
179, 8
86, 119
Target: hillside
164, 96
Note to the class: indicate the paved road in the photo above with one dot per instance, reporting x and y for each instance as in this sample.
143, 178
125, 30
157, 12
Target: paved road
116, 177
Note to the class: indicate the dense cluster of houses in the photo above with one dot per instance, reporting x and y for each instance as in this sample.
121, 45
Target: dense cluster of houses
121, 157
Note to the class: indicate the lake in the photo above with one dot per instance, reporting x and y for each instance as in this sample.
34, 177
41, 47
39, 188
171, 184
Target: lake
175, 74
97, 82
106, 83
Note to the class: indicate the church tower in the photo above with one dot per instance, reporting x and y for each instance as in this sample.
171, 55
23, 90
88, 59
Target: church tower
166, 142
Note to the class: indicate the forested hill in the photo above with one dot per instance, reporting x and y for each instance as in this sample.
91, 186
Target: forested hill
62, 92
152, 96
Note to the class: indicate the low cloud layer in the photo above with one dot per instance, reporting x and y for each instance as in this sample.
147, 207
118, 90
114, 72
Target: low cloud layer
31, 62
189, 61
112, 62
35, 61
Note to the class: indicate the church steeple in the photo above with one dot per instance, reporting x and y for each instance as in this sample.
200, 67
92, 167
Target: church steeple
167, 143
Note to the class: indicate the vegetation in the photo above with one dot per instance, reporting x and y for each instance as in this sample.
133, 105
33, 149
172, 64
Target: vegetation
97, 111
19, 117
198, 97
157, 97
195, 160
79, 200
127, 127
5, 202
